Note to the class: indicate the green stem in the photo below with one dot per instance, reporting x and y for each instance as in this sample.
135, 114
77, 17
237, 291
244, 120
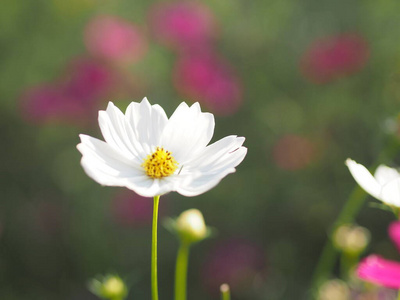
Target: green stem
181, 271
347, 262
349, 212
329, 253
398, 295
154, 284
225, 292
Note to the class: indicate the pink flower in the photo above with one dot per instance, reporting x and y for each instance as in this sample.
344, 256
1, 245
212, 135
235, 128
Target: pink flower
42, 103
87, 79
209, 80
334, 57
379, 270
293, 152
183, 25
74, 98
236, 262
114, 39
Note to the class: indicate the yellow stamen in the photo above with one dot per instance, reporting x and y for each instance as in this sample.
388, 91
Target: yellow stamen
160, 164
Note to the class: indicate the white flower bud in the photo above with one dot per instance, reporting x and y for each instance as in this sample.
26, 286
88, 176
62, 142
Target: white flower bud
109, 287
190, 226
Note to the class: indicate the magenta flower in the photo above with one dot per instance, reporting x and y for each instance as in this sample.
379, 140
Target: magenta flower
333, 57
182, 25
41, 103
88, 79
379, 270
209, 80
114, 39
74, 98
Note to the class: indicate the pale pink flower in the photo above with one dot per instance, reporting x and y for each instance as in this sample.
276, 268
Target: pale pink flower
333, 57
381, 271
209, 80
183, 24
114, 39
293, 152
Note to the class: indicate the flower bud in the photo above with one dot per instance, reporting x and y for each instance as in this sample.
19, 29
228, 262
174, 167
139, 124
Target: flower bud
190, 226
110, 287
351, 239
334, 290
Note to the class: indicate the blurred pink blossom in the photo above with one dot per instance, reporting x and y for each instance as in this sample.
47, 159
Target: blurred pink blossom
333, 57
209, 80
293, 152
183, 24
381, 271
88, 79
130, 209
74, 98
236, 262
114, 39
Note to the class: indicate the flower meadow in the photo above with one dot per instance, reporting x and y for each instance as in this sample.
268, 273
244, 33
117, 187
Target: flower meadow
200, 150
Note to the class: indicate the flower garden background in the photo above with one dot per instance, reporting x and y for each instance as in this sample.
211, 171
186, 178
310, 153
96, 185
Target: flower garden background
308, 83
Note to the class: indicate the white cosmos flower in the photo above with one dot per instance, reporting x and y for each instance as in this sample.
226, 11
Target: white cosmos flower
384, 185
153, 155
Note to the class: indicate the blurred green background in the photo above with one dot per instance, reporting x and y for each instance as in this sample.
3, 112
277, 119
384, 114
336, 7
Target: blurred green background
311, 83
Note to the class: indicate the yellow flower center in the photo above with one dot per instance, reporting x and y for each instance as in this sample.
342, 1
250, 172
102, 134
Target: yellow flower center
160, 164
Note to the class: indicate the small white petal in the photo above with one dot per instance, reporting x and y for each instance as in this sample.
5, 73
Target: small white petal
390, 193
364, 178
384, 174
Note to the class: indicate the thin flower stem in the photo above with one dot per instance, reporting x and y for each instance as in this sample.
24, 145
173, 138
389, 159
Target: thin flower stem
347, 262
225, 292
329, 253
181, 271
350, 210
398, 295
154, 284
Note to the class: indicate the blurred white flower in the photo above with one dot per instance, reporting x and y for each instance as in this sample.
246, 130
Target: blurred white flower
384, 185
153, 155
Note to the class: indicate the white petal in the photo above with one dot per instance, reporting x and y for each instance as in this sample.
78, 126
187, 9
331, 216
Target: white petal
214, 154
390, 193
117, 134
384, 174
149, 187
201, 184
148, 122
104, 164
364, 178
214, 163
187, 132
